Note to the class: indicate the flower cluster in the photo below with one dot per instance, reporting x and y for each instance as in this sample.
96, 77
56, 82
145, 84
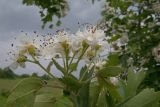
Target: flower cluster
86, 44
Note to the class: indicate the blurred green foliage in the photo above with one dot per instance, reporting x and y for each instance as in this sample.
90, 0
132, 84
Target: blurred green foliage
7, 73
139, 22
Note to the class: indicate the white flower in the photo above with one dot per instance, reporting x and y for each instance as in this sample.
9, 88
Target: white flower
96, 40
27, 45
114, 80
124, 39
156, 53
18, 61
130, 61
97, 64
76, 42
62, 42
92, 35
58, 44
48, 52
90, 55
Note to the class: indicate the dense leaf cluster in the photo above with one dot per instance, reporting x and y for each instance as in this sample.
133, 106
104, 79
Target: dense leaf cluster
139, 22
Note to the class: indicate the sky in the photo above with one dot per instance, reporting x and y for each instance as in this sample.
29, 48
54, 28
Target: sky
16, 17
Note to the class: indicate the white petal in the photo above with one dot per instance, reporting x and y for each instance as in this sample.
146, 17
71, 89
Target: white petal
24, 39
13, 66
23, 65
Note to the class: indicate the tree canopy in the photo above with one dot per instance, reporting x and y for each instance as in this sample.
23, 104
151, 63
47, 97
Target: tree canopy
50, 11
137, 24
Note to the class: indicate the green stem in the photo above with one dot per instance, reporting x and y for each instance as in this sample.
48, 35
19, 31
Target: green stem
89, 79
48, 72
72, 61
80, 57
67, 66
58, 66
87, 70
49, 65
38, 63
83, 52
64, 64
72, 58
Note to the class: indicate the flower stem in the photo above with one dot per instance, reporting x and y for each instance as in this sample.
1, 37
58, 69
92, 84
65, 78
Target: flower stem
80, 57
41, 66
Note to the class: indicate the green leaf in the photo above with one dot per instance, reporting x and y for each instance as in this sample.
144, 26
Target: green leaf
73, 66
146, 98
113, 59
59, 67
23, 94
63, 102
48, 100
113, 91
114, 38
111, 88
83, 98
85, 74
83, 71
134, 80
45, 100
71, 82
110, 71
102, 99
94, 94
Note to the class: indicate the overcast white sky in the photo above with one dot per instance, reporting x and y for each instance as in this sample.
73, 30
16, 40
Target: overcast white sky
14, 17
